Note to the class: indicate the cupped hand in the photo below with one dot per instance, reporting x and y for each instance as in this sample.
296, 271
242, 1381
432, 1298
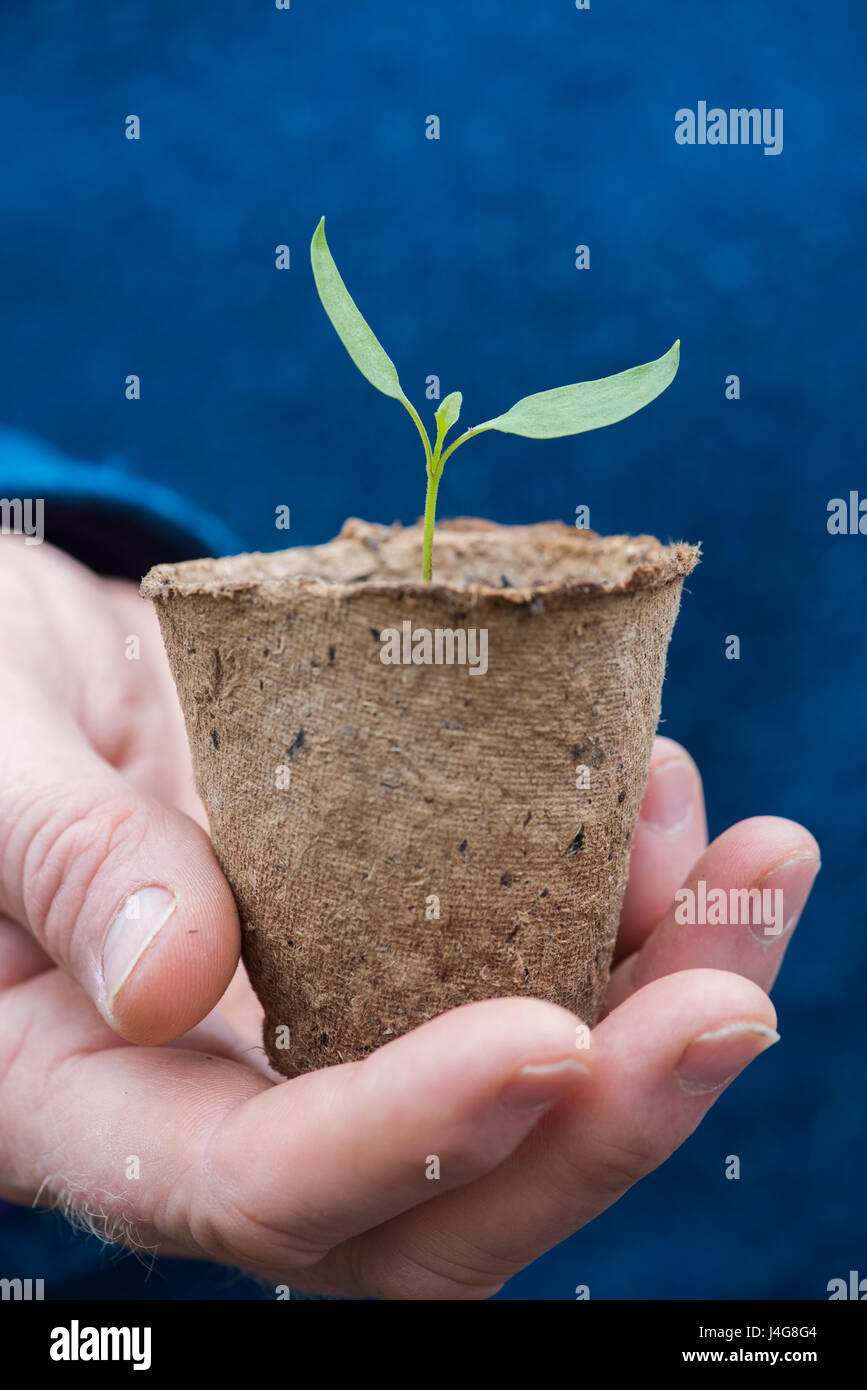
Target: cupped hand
436, 1168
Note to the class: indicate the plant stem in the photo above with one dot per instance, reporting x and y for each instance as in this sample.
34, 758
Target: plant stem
436, 464
468, 434
434, 473
421, 429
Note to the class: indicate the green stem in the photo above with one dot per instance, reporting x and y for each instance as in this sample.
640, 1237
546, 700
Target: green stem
436, 464
421, 429
468, 434
434, 474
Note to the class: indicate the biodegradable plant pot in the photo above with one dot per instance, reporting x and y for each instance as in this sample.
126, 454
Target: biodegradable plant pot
404, 838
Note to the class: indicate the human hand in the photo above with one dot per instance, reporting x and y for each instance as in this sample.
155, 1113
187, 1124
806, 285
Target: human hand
193, 1147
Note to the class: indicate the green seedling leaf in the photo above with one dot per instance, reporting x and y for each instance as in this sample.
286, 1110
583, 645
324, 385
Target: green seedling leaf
588, 405
448, 412
356, 335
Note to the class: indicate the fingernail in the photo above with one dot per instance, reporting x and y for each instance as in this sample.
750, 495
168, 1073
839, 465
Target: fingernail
715, 1058
534, 1088
130, 934
784, 890
669, 796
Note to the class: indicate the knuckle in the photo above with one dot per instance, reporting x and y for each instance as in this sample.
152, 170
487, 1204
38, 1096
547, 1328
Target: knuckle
75, 848
225, 1231
616, 1165
424, 1274
218, 1217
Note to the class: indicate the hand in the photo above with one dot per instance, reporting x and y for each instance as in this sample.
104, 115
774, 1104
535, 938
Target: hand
320, 1183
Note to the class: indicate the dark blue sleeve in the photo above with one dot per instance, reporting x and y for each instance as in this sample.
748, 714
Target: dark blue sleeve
115, 521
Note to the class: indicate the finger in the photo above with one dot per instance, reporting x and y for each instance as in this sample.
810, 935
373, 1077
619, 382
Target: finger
670, 834
269, 1177
98, 1127
20, 956
154, 754
736, 910
432, 1111
660, 1062
123, 893
73, 635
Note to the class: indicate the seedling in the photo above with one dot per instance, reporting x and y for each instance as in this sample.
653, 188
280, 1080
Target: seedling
586, 405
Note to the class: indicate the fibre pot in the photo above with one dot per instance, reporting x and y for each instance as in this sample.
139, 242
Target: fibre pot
422, 794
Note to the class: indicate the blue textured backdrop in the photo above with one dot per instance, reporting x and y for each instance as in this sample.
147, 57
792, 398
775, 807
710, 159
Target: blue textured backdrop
557, 128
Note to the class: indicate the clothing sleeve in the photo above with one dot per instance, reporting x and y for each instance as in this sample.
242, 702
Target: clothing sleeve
116, 522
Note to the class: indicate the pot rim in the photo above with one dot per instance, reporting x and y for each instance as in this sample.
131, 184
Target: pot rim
652, 564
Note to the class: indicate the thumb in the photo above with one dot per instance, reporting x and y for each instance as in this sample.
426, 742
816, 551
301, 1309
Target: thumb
120, 890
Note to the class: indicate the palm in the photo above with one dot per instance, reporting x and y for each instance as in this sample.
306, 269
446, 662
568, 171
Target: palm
323, 1182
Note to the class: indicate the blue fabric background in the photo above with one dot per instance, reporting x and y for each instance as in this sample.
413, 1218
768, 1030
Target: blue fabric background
156, 257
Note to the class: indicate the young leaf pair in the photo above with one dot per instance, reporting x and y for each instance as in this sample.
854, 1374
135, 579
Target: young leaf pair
586, 405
